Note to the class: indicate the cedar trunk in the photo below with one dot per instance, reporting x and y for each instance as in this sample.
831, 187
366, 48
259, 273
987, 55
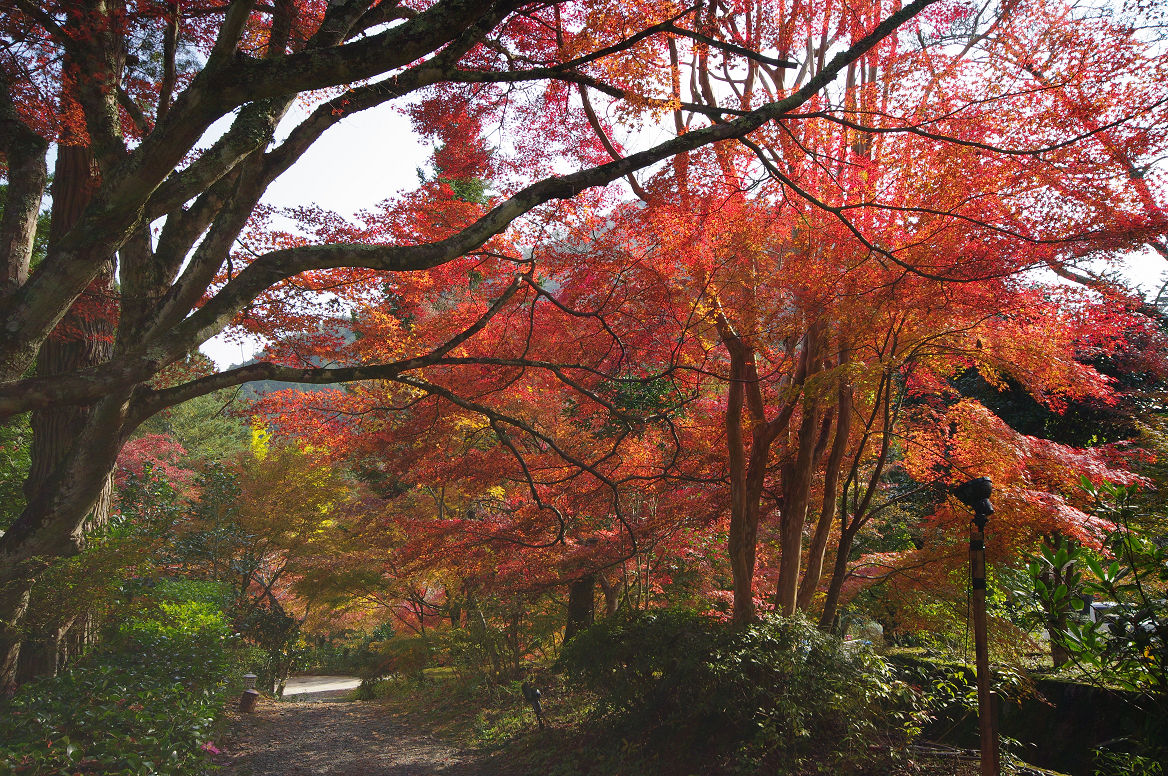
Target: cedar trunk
83, 338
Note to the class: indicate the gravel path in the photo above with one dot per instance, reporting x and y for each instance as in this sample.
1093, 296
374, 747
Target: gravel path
335, 738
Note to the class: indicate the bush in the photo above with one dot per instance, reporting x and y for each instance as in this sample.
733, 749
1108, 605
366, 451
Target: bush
778, 695
145, 702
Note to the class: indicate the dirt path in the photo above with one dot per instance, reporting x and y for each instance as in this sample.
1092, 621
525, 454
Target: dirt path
314, 684
335, 738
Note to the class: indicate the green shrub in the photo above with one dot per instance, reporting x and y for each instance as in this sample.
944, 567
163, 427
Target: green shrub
145, 702
779, 696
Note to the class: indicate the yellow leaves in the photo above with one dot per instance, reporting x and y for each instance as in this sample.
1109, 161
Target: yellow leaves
260, 439
471, 423
288, 497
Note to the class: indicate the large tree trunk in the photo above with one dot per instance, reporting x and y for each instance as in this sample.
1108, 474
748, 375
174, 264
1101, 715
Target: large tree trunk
741, 545
581, 605
83, 338
748, 463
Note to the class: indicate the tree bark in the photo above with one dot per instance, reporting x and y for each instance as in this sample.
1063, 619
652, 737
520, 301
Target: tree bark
611, 595
797, 479
748, 464
83, 338
15, 591
581, 605
838, 575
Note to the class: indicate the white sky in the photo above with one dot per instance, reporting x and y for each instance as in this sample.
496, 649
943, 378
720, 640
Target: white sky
368, 157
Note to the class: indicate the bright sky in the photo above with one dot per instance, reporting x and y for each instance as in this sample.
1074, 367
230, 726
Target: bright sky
368, 157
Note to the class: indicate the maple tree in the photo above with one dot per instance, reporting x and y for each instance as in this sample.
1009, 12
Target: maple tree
850, 281
123, 92
284, 532
824, 342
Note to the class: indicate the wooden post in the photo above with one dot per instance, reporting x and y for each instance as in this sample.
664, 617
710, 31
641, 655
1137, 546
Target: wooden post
990, 765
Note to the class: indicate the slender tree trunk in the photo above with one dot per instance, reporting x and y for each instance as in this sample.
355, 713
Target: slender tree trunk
743, 524
611, 595
477, 621
454, 610
15, 591
797, 480
514, 642
831, 478
1056, 618
838, 575
862, 505
796, 495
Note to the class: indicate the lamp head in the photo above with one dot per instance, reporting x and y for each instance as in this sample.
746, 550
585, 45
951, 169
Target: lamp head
975, 494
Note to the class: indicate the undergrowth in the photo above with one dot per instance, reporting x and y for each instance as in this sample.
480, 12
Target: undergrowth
147, 701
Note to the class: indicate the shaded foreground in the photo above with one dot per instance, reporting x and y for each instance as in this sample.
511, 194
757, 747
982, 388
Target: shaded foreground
305, 738
336, 737
400, 736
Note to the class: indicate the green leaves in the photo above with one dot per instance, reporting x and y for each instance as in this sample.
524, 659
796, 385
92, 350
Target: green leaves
1056, 582
1122, 640
144, 703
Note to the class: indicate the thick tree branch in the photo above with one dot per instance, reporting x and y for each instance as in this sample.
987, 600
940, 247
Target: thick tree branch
276, 266
251, 130
169, 52
24, 151
225, 83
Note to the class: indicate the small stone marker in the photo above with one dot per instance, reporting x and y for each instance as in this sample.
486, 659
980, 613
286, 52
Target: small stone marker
247, 701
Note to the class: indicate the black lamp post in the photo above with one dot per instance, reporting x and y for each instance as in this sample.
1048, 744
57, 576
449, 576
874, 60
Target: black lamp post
975, 494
